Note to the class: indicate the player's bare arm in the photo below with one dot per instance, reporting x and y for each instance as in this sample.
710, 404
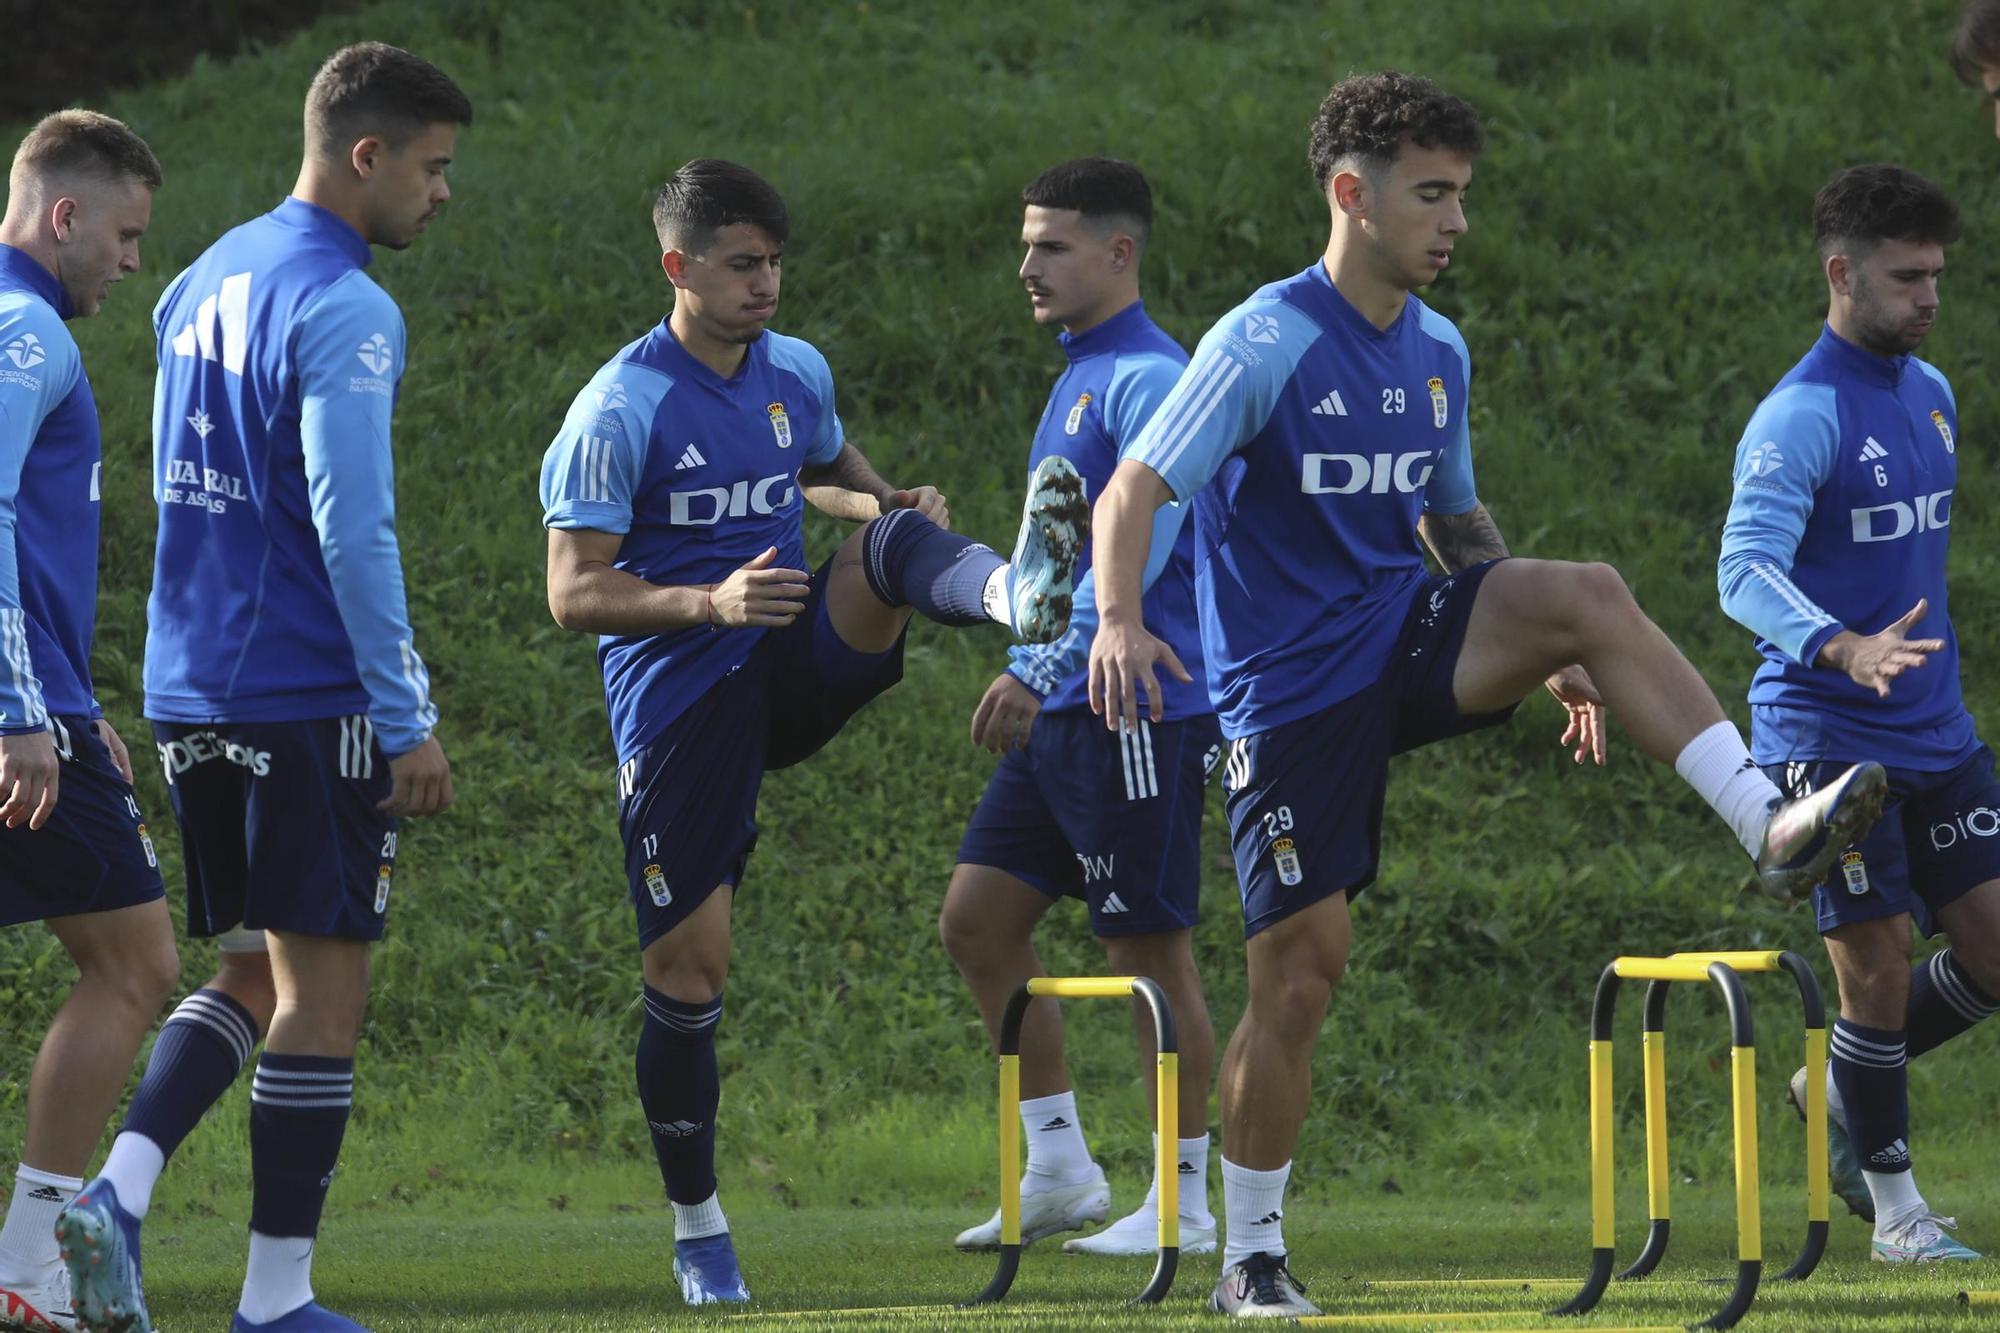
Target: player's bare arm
1124, 658
850, 488
589, 595
1005, 715
1873, 660
1460, 541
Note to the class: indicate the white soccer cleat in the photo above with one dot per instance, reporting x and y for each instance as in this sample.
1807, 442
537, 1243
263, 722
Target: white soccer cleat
40, 1305
1261, 1287
1139, 1233
1067, 1207
1924, 1239
1041, 577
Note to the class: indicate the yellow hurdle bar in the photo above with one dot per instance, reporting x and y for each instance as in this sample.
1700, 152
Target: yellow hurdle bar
1740, 960
1655, 1047
1661, 969
1010, 1150
1081, 988
1817, 1189
1743, 1089
1167, 1157
1602, 1227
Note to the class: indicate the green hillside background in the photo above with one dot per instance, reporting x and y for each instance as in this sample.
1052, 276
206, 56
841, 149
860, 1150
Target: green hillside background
1638, 272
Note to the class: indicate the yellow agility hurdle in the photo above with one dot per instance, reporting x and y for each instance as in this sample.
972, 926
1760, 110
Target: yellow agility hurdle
1167, 1164
1721, 968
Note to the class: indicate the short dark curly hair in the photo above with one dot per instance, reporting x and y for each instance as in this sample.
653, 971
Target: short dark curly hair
1866, 205
1975, 46
1371, 117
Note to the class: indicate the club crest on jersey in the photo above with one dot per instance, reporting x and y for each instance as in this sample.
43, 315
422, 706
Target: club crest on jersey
656, 885
1286, 853
1944, 430
383, 874
1854, 872
1440, 405
781, 426
1075, 421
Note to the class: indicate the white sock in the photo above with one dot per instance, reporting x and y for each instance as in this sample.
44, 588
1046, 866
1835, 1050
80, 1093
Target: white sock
1719, 768
1253, 1202
279, 1279
1193, 1176
1836, 1109
1896, 1200
133, 1168
28, 1239
692, 1221
1057, 1154
997, 597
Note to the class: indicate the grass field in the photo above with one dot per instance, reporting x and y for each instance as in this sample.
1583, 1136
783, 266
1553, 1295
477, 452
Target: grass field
1638, 273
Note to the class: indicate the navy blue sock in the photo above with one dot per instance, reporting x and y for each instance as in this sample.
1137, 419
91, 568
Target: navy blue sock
911, 561
1873, 1075
298, 1112
680, 1087
1944, 1002
202, 1047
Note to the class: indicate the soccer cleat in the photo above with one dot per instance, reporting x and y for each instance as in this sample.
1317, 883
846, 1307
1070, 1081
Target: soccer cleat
707, 1271
1843, 1168
1067, 1207
100, 1247
1139, 1233
1922, 1240
1804, 835
38, 1306
312, 1317
1055, 522
1261, 1287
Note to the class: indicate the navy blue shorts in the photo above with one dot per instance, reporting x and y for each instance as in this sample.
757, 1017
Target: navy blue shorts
1113, 818
94, 853
687, 799
1938, 839
279, 825
1305, 799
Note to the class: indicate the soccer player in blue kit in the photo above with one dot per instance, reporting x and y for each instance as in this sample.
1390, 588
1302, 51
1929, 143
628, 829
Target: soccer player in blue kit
674, 496
1834, 554
1320, 430
1113, 818
74, 852
291, 708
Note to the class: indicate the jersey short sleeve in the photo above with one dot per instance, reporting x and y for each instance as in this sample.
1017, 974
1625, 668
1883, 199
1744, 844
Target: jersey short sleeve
349, 356
592, 468
39, 367
1225, 395
1786, 454
1450, 489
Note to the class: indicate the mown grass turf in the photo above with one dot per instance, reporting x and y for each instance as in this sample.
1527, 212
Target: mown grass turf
1638, 272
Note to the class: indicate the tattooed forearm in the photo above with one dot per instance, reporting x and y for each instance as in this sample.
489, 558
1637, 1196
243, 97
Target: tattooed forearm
1462, 540
848, 487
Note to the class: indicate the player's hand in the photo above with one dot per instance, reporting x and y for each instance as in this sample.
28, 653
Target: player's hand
925, 500
29, 772
1572, 688
119, 755
759, 594
421, 781
1124, 660
1872, 661
1005, 715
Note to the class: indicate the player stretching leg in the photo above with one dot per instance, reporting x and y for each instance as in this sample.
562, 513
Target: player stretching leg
1073, 809
1834, 554
291, 709
1320, 429
673, 501
73, 850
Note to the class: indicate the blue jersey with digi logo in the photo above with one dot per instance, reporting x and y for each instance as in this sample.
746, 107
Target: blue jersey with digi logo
699, 474
1311, 442
1119, 373
277, 582
1841, 519
49, 459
